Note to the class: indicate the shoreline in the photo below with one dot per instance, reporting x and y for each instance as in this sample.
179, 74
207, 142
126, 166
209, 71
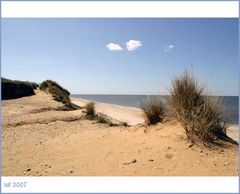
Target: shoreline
39, 138
133, 116
134, 103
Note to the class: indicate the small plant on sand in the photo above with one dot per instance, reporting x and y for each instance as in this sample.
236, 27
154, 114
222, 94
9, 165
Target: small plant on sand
101, 119
153, 109
104, 119
202, 116
90, 109
123, 124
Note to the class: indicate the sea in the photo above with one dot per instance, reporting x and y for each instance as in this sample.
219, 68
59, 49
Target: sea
230, 103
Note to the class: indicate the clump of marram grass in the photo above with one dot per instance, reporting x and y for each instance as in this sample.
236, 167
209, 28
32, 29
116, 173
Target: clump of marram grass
208, 124
90, 109
186, 96
202, 116
153, 108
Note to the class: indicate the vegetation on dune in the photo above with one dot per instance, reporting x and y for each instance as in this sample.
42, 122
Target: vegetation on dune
124, 124
186, 95
91, 114
101, 119
153, 108
59, 93
90, 109
49, 84
12, 89
202, 116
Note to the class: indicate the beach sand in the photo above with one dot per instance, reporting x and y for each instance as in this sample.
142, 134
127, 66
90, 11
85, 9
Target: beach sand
40, 139
133, 115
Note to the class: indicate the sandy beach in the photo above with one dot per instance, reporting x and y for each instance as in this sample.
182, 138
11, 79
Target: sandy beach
134, 116
40, 138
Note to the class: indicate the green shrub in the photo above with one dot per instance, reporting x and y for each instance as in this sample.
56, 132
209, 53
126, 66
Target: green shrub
49, 84
12, 89
101, 118
124, 124
59, 93
153, 109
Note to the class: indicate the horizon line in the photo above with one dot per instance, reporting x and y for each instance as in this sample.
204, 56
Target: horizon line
146, 95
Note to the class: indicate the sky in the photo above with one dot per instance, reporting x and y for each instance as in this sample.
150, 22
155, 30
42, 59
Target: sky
122, 56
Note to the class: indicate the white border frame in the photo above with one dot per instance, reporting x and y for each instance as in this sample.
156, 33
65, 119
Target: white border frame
120, 9
126, 184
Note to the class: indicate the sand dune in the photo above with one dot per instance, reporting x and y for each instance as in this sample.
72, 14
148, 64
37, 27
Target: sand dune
40, 139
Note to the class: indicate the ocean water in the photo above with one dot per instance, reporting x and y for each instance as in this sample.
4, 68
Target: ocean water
230, 103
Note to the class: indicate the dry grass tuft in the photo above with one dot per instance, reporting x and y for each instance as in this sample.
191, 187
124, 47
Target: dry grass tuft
153, 109
186, 96
202, 116
90, 109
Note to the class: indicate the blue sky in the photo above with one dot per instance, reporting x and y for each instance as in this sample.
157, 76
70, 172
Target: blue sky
122, 56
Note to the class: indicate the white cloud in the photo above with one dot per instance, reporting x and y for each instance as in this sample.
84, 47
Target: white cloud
168, 48
133, 45
114, 47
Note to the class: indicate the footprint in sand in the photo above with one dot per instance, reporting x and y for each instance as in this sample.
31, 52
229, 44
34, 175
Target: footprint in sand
168, 156
131, 162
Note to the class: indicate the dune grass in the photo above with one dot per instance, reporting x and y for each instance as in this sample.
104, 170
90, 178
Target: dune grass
104, 119
202, 116
90, 109
153, 109
59, 93
101, 119
91, 114
186, 95
209, 123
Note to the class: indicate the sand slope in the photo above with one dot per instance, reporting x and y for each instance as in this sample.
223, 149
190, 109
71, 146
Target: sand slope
38, 139
134, 116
